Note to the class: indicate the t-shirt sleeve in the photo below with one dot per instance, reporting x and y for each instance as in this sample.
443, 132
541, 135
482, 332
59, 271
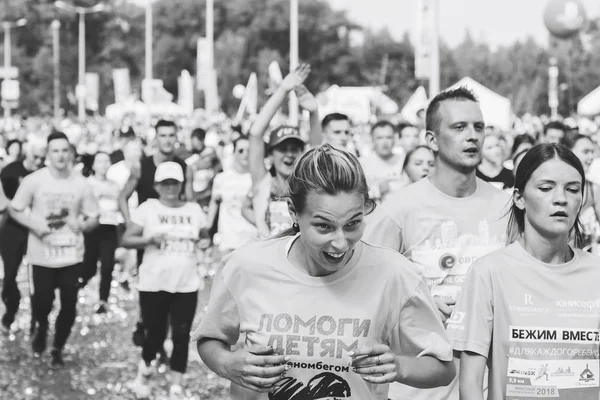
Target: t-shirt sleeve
420, 331
138, 214
89, 203
24, 196
221, 320
471, 324
381, 230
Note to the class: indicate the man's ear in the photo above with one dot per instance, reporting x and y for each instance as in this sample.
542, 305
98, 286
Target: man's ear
431, 140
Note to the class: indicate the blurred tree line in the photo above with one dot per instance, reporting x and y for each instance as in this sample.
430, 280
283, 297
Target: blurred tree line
249, 34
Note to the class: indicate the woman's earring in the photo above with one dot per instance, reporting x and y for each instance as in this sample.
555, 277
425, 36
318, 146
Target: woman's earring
296, 227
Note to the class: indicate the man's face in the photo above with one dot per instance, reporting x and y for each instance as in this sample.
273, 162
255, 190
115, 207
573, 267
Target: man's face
554, 136
383, 141
197, 144
460, 135
409, 138
337, 133
35, 156
59, 154
166, 137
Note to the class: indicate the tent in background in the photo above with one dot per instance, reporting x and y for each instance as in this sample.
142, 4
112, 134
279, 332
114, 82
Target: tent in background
359, 103
589, 106
416, 102
496, 109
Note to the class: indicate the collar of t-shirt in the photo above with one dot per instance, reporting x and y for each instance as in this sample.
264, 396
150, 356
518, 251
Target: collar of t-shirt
331, 279
563, 269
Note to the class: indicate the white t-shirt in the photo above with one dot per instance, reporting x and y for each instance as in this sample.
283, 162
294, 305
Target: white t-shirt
170, 267
119, 173
260, 298
442, 235
232, 188
107, 194
537, 324
378, 170
55, 202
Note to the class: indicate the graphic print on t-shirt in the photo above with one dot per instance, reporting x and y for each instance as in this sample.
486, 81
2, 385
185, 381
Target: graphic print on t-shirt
560, 363
445, 259
317, 347
61, 242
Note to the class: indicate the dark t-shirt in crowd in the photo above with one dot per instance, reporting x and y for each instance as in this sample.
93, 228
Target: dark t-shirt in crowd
11, 177
504, 180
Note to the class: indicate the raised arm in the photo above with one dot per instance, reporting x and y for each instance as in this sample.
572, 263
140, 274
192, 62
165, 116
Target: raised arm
263, 119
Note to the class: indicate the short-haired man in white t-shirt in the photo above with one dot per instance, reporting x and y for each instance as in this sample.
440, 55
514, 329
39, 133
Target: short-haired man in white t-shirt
446, 221
62, 207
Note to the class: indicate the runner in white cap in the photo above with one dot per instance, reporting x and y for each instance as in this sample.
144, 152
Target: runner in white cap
168, 229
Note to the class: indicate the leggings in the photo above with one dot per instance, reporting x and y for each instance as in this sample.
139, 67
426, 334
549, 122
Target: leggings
100, 244
45, 281
13, 244
157, 308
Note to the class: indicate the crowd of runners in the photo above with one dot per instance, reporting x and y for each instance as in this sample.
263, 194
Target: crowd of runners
408, 262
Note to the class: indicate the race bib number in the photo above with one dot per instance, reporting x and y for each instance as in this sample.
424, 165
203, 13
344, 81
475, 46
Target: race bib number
61, 239
559, 363
59, 252
178, 246
279, 217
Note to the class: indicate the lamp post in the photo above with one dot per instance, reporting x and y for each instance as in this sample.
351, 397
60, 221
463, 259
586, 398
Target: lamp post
8, 25
56, 62
293, 100
81, 11
149, 40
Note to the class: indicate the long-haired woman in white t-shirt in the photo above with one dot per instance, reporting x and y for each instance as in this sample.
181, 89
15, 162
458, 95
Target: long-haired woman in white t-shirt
530, 311
168, 229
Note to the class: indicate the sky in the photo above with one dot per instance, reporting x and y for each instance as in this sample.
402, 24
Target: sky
497, 22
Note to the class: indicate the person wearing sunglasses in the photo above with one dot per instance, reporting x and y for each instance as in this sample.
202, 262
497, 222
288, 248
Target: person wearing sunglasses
230, 189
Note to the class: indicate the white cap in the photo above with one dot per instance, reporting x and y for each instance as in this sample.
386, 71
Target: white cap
168, 170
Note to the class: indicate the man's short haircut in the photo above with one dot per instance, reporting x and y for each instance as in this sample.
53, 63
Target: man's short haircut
382, 124
555, 125
57, 135
432, 118
164, 123
199, 134
333, 117
403, 125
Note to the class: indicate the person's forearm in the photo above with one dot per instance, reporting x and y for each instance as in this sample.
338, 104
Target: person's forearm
213, 208
134, 242
124, 208
214, 353
22, 218
470, 390
425, 372
262, 121
315, 136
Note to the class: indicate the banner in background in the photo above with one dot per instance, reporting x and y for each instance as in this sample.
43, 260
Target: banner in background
122, 84
92, 91
185, 98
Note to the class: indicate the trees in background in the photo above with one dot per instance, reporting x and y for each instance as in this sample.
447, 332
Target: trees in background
249, 34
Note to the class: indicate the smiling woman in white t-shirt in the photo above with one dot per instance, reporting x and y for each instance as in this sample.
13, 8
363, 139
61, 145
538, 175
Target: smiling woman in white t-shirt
316, 313
531, 311
168, 229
